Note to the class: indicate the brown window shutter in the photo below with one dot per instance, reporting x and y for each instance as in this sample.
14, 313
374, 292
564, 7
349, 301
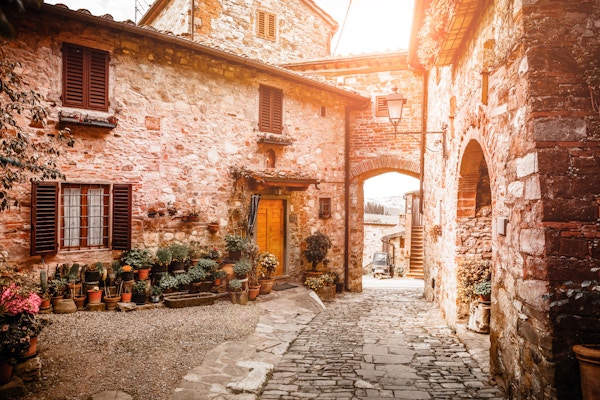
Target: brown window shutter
271, 26
381, 106
44, 218
260, 26
73, 76
121, 234
98, 78
270, 109
85, 77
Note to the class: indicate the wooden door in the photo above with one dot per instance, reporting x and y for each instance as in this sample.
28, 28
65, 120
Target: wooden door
270, 230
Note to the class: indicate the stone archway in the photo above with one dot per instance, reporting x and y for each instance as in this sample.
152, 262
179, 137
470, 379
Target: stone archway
473, 218
358, 174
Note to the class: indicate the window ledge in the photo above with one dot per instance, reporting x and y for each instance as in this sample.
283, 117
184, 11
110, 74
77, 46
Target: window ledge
78, 118
280, 141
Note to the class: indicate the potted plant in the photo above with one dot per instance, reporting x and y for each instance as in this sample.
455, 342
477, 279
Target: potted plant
155, 294
267, 263
484, 290
140, 289
137, 258
168, 283
57, 288
197, 276
74, 283
213, 227
218, 275
110, 299
238, 294
180, 255
317, 246
126, 273
163, 258
94, 295
183, 281
235, 245
241, 268
322, 285
93, 272
191, 216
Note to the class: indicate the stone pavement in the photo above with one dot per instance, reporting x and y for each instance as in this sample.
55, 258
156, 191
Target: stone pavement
382, 343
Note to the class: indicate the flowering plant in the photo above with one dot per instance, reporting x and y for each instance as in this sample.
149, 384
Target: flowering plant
268, 263
314, 282
126, 268
15, 300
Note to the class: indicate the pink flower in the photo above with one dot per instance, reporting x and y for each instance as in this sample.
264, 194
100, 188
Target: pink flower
15, 300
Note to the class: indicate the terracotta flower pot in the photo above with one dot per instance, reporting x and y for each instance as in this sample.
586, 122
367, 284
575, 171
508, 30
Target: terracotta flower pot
94, 296
143, 274
32, 351
266, 285
79, 301
253, 292
5, 372
588, 356
111, 302
126, 297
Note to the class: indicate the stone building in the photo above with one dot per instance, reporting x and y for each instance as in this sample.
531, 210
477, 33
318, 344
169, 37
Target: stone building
519, 180
170, 127
507, 88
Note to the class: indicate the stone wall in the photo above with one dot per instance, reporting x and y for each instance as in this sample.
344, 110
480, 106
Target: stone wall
184, 120
231, 25
533, 130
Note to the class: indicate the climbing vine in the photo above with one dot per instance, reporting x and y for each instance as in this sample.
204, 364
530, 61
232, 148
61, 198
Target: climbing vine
434, 30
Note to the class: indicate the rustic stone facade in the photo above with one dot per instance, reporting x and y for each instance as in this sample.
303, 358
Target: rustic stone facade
185, 118
515, 100
302, 30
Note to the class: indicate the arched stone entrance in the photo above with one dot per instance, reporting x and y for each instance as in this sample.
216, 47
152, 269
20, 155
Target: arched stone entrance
474, 226
358, 174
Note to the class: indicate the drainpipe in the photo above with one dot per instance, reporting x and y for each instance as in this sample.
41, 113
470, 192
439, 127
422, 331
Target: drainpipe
423, 130
193, 22
346, 193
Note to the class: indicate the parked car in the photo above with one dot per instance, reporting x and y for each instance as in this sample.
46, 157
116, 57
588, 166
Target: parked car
382, 265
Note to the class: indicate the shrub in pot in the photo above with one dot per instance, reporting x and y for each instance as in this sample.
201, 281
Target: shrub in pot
317, 246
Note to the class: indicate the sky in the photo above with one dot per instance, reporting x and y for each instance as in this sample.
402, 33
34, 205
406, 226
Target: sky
371, 26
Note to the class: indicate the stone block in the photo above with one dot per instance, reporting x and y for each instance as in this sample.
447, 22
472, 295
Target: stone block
527, 165
559, 129
29, 370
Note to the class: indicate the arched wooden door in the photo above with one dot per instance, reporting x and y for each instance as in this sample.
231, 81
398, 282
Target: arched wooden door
270, 228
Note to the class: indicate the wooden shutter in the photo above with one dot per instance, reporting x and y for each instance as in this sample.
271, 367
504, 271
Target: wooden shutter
381, 109
121, 226
85, 77
44, 218
265, 25
260, 25
271, 27
270, 110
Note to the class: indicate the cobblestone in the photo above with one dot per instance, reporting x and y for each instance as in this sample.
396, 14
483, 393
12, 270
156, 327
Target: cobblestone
379, 344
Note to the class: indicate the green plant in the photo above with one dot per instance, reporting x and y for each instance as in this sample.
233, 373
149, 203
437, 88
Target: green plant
179, 252
268, 264
470, 272
57, 286
183, 279
156, 291
235, 285
317, 246
219, 274
242, 267
483, 288
207, 265
314, 282
235, 243
168, 281
137, 258
74, 272
197, 274
164, 256
139, 287
328, 279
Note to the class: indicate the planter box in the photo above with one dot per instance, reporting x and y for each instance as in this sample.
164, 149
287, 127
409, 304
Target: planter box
180, 300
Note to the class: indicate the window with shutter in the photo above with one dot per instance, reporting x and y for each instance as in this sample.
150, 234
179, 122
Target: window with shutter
266, 25
44, 218
381, 106
270, 109
84, 218
85, 77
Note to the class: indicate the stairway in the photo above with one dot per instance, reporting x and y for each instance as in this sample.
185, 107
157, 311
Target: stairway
416, 253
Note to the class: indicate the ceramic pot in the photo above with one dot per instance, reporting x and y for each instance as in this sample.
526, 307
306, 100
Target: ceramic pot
213, 228
94, 296
326, 293
588, 356
139, 298
127, 276
253, 292
5, 372
111, 302
266, 285
45, 303
143, 274
32, 351
126, 297
239, 298
92, 276
65, 306
79, 301
54, 300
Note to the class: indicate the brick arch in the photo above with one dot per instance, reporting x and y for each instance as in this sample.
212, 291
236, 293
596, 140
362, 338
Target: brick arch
375, 166
468, 179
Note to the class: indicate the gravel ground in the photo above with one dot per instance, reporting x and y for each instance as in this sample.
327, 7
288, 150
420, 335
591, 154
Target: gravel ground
144, 353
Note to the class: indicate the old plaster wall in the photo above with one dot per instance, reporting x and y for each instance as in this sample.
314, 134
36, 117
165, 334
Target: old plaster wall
231, 25
184, 120
542, 155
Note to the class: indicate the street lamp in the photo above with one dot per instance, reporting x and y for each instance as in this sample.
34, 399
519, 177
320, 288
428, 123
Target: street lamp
395, 103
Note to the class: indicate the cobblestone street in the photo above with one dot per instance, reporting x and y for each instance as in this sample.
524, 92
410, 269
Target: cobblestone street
382, 343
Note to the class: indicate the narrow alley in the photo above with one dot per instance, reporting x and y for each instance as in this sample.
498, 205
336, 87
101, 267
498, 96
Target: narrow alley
387, 342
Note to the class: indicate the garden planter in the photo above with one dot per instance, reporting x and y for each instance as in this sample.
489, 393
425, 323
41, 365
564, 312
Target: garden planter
32, 351
253, 292
55, 299
143, 274
94, 296
126, 297
65, 306
180, 300
92, 276
213, 228
159, 268
588, 356
312, 274
5, 371
139, 298
127, 276
79, 301
326, 293
45, 303
239, 298
74, 289
111, 302
339, 287
177, 266
235, 255
155, 298
266, 285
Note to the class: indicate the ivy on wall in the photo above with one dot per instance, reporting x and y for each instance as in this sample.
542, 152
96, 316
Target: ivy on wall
434, 30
